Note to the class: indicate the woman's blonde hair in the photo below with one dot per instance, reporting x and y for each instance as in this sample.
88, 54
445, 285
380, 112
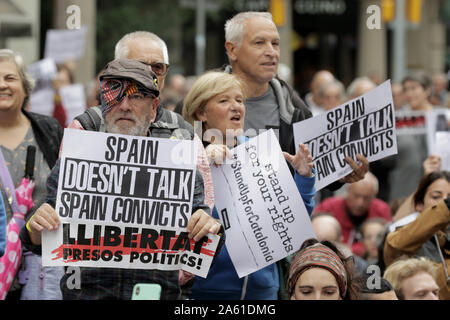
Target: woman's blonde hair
206, 87
404, 268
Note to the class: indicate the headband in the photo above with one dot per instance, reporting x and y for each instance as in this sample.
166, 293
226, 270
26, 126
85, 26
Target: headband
317, 256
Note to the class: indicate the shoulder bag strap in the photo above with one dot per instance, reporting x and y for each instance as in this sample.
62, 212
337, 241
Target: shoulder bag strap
8, 184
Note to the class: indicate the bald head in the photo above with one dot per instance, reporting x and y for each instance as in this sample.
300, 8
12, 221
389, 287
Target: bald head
326, 227
360, 194
319, 79
360, 86
440, 82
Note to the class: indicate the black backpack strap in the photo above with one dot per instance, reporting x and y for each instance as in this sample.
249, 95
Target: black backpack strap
92, 119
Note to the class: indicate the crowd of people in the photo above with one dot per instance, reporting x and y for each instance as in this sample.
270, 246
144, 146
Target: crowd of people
382, 231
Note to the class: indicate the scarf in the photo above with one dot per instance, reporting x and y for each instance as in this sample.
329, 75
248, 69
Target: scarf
317, 256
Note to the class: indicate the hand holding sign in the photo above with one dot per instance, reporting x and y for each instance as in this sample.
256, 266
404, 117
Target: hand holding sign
432, 164
200, 224
217, 153
45, 217
359, 170
302, 161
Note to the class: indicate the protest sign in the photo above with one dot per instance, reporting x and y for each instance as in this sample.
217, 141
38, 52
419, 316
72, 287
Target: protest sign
408, 122
73, 99
43, 101
438, 121
259, 205
442, 149
44, 69
65, 44
364, 125
124, 202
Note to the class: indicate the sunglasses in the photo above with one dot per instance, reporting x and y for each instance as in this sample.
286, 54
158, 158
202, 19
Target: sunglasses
159, 68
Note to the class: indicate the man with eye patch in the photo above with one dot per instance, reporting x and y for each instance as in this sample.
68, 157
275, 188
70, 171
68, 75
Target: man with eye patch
129, 100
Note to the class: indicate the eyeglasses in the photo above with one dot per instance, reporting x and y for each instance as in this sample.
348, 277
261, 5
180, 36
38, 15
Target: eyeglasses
159, 68
137, 98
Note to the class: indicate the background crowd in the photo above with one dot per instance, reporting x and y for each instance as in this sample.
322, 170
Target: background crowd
395, 217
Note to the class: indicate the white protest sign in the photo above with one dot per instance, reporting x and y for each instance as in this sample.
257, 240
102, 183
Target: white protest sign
73, 99
65, 44
43, 69
43, 101
438, 120
124, 202
364, 125
408, 122
442, 149
259, 205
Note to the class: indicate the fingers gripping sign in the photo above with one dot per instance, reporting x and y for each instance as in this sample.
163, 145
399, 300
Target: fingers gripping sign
302, 161
200, 224
217, 153
45, 217
359, 169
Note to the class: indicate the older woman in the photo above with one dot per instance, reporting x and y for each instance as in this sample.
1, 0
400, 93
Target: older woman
319, 271
20, 129
216, 101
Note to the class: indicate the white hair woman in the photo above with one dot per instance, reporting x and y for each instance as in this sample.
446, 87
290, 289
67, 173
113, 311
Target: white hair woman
21, 130
216, 102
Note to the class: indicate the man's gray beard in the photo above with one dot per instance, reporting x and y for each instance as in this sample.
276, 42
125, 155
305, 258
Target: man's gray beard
139, 129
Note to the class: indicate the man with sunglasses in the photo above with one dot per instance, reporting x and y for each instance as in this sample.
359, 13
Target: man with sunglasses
129, 100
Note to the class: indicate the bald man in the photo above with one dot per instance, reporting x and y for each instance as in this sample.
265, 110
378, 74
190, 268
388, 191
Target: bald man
359, 204
326, 227
359, 86
313, 97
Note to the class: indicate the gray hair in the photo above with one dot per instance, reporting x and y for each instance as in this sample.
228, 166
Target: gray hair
369, 178
234, 27
27, 81
355, 83
122, 50
327, 84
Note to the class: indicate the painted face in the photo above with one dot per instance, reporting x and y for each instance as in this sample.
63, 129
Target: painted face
415, 95
224, 111
420, 286
316, 284
150, 53
259, 53
438, 190
132, 116
12, 92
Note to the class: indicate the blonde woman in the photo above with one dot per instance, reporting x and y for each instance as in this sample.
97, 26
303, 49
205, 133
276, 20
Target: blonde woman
216, 104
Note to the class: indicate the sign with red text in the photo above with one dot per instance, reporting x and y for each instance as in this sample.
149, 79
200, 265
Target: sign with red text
124, 202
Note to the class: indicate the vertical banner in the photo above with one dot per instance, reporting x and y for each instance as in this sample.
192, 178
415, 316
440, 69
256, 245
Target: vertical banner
125, 202
259, 205
364, 125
